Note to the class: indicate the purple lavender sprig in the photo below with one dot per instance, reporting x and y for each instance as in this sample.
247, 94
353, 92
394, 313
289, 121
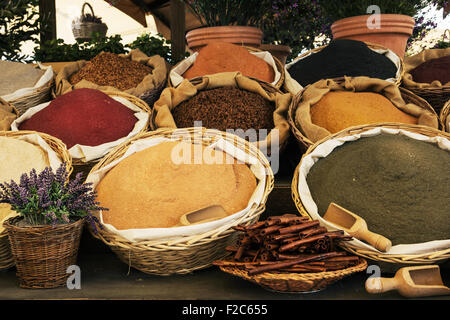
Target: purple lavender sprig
49, 198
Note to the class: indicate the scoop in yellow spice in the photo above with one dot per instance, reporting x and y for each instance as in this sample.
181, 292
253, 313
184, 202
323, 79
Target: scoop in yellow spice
338, 110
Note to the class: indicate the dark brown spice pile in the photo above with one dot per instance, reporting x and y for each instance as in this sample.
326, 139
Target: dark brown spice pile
226, 108
108, 69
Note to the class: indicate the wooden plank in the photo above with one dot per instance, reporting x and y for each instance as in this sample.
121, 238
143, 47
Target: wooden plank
47, 12
177, 28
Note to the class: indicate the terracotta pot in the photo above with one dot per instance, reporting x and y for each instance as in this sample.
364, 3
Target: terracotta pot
277, 50
393, 33
243, 35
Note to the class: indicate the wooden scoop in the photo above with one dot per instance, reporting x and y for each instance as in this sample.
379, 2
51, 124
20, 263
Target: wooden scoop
355, 226
411, 282
203, 215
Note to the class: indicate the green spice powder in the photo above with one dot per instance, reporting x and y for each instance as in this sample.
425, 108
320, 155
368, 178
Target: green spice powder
399, 185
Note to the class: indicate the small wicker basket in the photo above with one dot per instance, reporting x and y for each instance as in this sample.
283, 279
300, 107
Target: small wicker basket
426, 258
295, 282
189, 253
83, 30
6, 258
278, 63
444, 116
305, 143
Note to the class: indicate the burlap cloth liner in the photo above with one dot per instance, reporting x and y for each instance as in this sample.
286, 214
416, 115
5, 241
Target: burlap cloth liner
313, 93
414, 61
7, 115
172, 97
151, 81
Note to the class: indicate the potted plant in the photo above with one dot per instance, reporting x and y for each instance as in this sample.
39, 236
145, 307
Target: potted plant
45, 235
358, 20
227, 21
290, 26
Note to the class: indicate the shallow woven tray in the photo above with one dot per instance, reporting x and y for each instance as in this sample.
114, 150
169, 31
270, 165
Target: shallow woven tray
183, 254
278, 63
445, 112
6, 258
295, 282
38, 96
305, 143
428, 258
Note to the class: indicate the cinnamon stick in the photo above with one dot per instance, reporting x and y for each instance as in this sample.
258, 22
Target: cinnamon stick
269, 230
312, 231
298, 227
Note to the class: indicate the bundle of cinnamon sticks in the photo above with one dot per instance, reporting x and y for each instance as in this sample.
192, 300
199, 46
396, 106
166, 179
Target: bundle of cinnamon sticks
288, 243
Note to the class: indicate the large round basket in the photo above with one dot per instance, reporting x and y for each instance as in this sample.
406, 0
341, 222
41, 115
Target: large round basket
444, 116
305, 143
6, 258
43, 253
184, 254
388, 260
278, 63
295, 282
84, 30
294, 87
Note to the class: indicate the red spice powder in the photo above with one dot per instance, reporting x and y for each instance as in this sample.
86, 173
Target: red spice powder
83, 116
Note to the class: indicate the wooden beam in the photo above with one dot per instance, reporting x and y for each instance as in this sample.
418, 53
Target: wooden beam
47, 13
177, 28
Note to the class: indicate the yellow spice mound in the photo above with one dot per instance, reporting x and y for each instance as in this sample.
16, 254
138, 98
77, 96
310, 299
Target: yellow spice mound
338, 110
149, 190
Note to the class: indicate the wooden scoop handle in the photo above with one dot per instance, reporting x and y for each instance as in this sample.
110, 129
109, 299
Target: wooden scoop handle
376, 240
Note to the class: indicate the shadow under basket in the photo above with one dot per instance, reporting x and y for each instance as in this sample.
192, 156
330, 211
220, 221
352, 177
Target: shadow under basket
42, 254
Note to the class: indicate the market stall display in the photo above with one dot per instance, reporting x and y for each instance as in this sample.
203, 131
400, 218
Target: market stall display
20, 152
290, 253
90, 122
356, 59
134, 73
329, 106
179, 250
399, 161
426, 74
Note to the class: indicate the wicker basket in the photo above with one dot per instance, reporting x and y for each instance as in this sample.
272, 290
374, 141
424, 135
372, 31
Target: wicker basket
280, 68
6, 258
305, 143
389, 259
184, 254
84, 30
374, 46
43, 253
444, 117
295, 282
38, 96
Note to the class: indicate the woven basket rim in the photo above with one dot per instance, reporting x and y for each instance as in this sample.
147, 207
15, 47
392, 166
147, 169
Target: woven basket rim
398, 80
373, 255
38, 91
186, 242
11, 224
445, 112
300, 137
278, 63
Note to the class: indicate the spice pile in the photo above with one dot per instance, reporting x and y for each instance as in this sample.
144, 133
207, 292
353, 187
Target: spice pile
226, 108
338, 110
432, 70
16, 75
219, 57
340, 58
83, 116
399, 185
288, 243
109, 69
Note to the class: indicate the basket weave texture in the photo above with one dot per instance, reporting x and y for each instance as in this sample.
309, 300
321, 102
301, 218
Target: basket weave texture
184, 254
426, 258
6, 258
84, 30
295, 282
43, 253
444, 117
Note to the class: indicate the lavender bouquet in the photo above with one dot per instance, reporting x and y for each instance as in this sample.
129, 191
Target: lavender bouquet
48, 199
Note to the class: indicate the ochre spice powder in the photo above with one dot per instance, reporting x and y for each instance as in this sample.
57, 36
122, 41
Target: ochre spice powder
83, 116
399, 185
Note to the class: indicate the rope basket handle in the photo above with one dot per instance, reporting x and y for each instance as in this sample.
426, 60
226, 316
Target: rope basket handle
84, 6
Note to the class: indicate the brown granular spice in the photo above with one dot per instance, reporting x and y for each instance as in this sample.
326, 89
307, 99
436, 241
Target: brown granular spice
226, 108
109, 69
